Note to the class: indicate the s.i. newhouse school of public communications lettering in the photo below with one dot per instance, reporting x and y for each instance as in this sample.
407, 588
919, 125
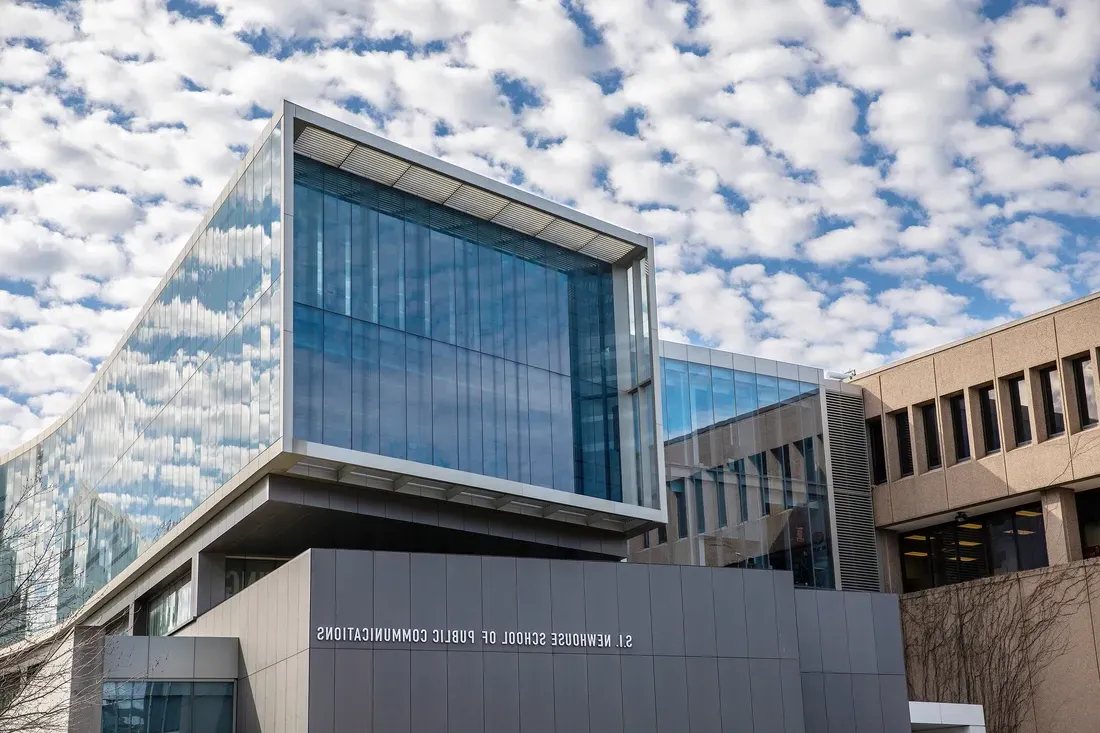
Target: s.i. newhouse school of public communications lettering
396, 448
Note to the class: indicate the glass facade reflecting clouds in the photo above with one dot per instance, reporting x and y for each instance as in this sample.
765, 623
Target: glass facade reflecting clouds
424, 334
744, 452
192, 396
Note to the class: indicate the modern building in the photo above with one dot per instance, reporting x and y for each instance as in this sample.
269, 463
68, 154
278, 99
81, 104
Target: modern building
985, 463
765, 466
371, 457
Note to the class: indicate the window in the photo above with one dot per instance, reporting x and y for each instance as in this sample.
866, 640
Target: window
681, 508
466, 352
645, 540
905, 443
975, 547
700, 510
878, 452
931, 435
167, 707
171, 608
1086, 391
987, 407
662, 535
720, 489
961, 433
1053, 411
241, 572
1021, 410
1088, 517
782, 456
742, 488
760, 462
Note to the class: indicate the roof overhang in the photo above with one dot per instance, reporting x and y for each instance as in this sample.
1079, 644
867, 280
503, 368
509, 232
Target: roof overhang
363, 154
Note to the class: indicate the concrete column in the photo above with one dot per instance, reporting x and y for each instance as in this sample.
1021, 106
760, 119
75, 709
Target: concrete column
889, 559
207, 582
1060, 524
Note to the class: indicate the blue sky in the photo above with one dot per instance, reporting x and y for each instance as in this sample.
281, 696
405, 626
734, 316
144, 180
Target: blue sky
830, 182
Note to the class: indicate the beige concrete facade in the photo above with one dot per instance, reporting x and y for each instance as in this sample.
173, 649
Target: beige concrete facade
1047, 473
1060, 691
1013, 474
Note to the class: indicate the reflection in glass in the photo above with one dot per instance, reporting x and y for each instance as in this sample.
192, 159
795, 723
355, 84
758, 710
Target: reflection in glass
1053, 411
1021, 410
975, 547
167, 707
1085, 385
461, 344
760, 436
190, 398
991, 431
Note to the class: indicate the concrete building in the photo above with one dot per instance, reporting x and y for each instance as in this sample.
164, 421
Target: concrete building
370, 458
985, 463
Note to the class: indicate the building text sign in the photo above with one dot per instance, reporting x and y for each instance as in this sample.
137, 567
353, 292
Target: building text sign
488, 637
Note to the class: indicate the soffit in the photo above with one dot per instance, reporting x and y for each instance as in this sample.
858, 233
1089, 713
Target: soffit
390, 170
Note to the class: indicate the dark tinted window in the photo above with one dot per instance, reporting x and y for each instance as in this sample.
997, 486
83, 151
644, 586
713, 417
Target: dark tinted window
720, 488
1021, 410
242, 572
700, 506
905, 443
1088, 516
877, 448
959, 427
681, 508
991, 432
931, 435
1085, 385
976, 547
1054, 413
782, 457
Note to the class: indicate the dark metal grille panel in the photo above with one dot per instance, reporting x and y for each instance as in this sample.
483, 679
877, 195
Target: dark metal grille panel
855, 519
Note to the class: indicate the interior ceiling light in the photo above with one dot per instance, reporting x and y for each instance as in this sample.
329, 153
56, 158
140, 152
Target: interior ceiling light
1028, 513
914, 553
971, 525
917, 537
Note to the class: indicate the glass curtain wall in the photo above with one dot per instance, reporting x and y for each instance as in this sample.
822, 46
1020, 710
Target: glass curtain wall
428, 335
753, 446
167, 707
190, 398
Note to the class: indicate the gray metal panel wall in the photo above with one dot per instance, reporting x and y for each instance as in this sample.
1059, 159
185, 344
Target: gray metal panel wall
851, 663
275, 668
854, 520
712, 649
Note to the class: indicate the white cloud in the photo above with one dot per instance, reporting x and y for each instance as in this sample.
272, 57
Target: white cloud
36, 372
801, 165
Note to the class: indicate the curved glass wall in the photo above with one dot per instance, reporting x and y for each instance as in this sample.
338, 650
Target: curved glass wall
424, 334
745, 465
192, 396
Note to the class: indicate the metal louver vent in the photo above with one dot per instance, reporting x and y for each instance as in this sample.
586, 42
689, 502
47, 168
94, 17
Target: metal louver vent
324, 147
370, 163
523, 218
855, 518
606, 248
426, 182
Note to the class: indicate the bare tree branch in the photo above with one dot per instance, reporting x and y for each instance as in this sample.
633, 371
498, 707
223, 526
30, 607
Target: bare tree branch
986, 642
47, 545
